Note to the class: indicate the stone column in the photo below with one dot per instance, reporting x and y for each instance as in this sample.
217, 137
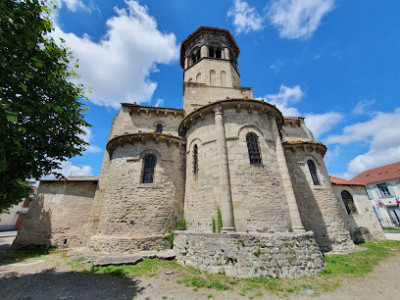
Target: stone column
225, 196
226, 53
186, 63
203, 51
287, 183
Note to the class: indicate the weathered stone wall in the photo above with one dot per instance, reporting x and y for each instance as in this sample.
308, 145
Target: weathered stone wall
363, 225
294, 129
318, 206
288, 255
199, 94
58, 216
256, 191
137, 215
124, 122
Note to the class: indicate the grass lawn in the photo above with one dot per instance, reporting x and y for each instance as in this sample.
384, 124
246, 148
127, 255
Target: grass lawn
339, 268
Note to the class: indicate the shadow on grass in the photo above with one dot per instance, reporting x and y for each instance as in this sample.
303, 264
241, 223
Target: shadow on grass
71, 285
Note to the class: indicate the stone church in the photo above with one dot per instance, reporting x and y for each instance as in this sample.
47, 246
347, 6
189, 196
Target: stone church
225, 160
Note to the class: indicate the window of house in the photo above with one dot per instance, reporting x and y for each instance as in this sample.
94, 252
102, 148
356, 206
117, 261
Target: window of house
384, 190
195, 160
159, 128
253, 148
150, 161
348, 202
313, 171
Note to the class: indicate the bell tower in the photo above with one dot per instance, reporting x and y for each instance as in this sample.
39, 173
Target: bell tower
209, 60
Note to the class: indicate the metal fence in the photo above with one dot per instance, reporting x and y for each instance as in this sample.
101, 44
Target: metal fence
387, 223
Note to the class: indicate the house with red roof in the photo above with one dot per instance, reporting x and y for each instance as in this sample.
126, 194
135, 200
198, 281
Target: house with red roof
383, 189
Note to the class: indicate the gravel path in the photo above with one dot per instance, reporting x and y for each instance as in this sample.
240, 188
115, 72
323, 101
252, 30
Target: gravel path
47, 280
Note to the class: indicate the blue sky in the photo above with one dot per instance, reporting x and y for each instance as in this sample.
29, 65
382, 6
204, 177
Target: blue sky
335, 62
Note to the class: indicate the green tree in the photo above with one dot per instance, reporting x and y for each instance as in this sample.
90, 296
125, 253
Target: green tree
41, 115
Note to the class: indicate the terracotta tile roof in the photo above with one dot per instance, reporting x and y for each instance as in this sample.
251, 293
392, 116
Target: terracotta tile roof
340, 181
206, 28
383, 173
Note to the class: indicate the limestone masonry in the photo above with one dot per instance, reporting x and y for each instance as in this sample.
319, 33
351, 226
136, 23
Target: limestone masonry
251, 184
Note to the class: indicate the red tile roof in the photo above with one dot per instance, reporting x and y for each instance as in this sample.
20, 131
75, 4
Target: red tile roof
383, 173
340, 181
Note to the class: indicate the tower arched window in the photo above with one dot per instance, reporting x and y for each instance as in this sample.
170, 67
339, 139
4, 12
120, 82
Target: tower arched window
195, 159
214, 52
159, 128
348, 202
253, 148
313, 171
150, 161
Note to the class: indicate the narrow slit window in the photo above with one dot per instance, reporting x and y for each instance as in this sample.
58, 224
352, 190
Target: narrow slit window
195, 159
159, 128
253, 148
313, 171
150, 161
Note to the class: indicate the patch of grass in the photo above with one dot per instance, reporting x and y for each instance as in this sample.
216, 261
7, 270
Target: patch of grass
219, 220
13, 256
148, 267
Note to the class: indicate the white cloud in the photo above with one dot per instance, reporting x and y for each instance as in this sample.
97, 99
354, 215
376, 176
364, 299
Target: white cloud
322, 123
72, 5
381, 133
361, 107
117, 68
298, 19
87, 138
159, 102
331, 154
68, 169
245, 18
285, 98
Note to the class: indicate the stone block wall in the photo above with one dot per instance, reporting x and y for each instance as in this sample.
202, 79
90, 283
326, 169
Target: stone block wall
318, 206
136, 215
363, 225
256, 191
286, 255
58, 215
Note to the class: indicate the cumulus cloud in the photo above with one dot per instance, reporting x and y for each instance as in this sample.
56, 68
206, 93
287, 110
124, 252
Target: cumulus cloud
87, 138
245, 18
322, 123
68, 169
381, 133
296, 19
362, 106
72, 5
117, 68
285, 98
159, 102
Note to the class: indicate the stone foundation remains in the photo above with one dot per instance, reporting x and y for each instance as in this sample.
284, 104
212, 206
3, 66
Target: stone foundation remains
283, 255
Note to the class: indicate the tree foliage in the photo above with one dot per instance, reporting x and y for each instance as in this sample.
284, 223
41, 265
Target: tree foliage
41, 116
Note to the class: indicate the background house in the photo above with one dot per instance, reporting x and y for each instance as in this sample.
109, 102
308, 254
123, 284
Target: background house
383, 188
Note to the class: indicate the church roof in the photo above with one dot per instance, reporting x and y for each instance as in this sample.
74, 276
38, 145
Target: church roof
340, 181
383, 173
206, 28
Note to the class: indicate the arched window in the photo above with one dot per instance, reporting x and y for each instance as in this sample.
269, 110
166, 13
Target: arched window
348, 202
195, 159
313, 171
159, 128
210, 51
254, 150
150, 161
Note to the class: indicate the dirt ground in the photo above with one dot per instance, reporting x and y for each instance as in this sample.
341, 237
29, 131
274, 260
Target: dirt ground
40, 279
